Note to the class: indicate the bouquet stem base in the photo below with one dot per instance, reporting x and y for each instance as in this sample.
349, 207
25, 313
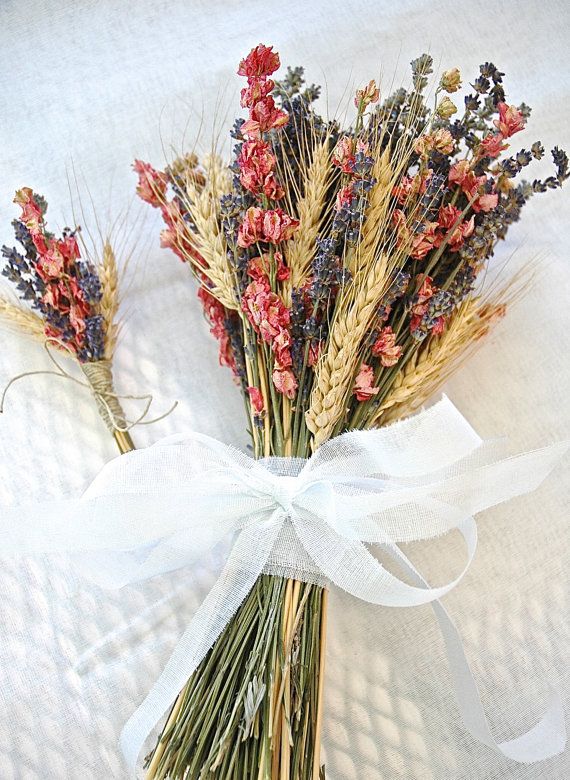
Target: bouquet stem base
253, 708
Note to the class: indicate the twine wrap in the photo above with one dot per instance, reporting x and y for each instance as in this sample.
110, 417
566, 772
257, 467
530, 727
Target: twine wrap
99, 374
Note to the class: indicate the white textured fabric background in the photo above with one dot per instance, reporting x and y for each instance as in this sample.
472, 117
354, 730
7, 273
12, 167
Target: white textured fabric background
91, 85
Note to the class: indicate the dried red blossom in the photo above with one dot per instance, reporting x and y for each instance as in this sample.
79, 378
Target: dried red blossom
259, 267
66, 289
272, 189
272, 226
415, 322
31, 213
256, 90
447, 219
281, 347
50, 264
363, 384
448, 216
343, 154
423, 295
486, 202
315, 350
459, 172
278, 226
251, 228
261, 61
424, 241
510, 120
492, 146
271, 320
386, 349
370, 94
438, 326
418, 244
255, 162
408, 186
344, 197
472, 184
285, 382
216, 315
421, 305
152, 183
175, 236
263, 116
265, 310
256, 399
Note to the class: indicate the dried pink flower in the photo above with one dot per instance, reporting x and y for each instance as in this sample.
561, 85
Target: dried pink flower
458, 172
278, 226
152, 183
256, 90
259, 267
510, 120
386, 349
492, 146
251, 229
370, 94
486, 202
261, 61
31, 214
271, 188
216, 315
423, 295
363, 384
344, 197
285, 382
263, 116
281, 347
343, 154
256, 399
255, 162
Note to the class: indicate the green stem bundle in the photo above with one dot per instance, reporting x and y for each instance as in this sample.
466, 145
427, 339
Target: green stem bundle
251, 709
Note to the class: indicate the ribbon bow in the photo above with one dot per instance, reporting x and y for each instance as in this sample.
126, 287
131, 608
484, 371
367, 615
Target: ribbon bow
155, 510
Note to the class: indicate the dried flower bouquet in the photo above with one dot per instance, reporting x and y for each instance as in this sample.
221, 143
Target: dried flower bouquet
338, 269
70, 304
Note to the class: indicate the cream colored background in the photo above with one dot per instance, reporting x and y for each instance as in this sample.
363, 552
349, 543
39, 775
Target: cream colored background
91, 85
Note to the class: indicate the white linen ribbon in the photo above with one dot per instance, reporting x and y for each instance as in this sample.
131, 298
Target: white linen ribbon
158, 509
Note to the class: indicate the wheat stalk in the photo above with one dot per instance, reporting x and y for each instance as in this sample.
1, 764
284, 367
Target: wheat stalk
203, 206
371, 264
335, 371
431, 366
109, 304
21, 319
311, 214
377, 213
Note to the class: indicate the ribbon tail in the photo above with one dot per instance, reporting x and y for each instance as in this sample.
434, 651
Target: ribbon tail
244, 565
546, 739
